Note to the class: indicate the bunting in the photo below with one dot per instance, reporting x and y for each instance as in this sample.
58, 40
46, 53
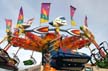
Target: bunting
72, 11
45, 8
20, 17
85, 21
8, 25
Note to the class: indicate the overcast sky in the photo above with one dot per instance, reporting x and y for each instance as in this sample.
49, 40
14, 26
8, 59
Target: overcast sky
95, 10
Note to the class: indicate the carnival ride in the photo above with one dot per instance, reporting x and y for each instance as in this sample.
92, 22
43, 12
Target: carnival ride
99, 55
47, 43
57, 50
97, 59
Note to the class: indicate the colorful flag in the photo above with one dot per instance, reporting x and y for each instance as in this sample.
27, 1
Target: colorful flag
8, 25
85, 21
45, 8
20, 17
72, 11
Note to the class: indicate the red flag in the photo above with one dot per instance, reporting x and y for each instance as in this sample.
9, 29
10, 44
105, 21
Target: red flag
45, 8
85, 21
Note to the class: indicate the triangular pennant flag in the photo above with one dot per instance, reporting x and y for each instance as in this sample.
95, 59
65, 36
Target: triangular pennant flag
45, 8
20, 17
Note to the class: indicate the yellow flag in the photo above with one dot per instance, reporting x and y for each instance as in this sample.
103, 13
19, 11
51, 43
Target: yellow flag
43, 20
73, 23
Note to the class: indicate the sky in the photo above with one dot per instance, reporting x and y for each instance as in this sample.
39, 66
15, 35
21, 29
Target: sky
95, 10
